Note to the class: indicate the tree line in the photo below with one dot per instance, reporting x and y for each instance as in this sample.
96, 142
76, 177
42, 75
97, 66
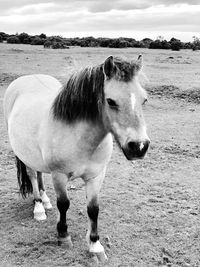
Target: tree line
61, 42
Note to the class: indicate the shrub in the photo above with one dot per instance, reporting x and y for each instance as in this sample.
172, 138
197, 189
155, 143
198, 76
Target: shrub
24, 38
176, 45
43, 36
13, 40
196, 43
37, 41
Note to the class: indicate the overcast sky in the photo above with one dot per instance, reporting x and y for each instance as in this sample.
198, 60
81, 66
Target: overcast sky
106, 18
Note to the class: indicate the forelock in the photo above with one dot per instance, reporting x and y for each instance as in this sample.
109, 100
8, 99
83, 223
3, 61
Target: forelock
124, 70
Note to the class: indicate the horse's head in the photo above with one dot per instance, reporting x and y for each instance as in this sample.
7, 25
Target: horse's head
123, 108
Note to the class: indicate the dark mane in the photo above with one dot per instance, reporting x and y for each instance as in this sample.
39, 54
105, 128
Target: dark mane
82, 97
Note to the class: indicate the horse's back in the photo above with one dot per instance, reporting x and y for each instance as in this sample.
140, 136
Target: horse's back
30, 87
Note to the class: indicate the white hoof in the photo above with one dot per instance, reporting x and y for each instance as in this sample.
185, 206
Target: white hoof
45, 200
40, 216
39, 212
96, 247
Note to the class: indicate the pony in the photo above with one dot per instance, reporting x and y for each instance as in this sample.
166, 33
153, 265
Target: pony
68, 131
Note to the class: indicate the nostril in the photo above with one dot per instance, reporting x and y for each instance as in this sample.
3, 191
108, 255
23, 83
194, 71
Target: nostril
132, 146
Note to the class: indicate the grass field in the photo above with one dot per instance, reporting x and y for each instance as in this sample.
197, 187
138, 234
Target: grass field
149, 209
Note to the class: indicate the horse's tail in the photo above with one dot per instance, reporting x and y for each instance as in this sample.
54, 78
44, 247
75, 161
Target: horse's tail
25, 185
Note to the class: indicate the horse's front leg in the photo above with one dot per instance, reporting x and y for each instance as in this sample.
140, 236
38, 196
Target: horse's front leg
93, 187
63, 203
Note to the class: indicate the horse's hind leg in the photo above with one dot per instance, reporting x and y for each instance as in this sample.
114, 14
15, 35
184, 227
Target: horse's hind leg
63, 203
39, 211
45, 199
93, 187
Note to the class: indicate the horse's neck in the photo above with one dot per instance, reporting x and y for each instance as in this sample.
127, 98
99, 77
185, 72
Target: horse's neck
85, 135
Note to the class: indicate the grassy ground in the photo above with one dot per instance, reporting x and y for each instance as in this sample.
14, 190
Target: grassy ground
150, 208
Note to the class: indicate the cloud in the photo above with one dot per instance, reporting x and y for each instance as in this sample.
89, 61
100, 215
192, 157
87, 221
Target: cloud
9, 6
99, 16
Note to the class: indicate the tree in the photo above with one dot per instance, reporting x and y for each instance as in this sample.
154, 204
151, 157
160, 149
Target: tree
104, 42
155, 44
188, 45
43, 36
37, 41
13, 40
146, 42
176, 44
4, 36
196, 43
24, 38
165, 45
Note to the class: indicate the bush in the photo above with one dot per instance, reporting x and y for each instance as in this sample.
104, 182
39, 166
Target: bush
43, 36
47, 44
155, 44
38, 41
4, 36
24, 38
146, 42
119, 43
165, 44
13, 40
104, 42
196, 44
187, 45
59, 45
176, 45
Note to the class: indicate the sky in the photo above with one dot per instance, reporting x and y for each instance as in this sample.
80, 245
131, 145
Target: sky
103, 18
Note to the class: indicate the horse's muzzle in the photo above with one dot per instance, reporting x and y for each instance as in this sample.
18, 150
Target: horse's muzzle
135, 150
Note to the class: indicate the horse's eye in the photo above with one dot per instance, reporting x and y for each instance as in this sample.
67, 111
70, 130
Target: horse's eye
144, 101
112, 103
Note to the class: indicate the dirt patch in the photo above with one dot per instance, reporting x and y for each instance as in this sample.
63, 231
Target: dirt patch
7, 78
171, 91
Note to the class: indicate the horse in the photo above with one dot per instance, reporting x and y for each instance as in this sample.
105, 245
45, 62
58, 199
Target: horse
67, 131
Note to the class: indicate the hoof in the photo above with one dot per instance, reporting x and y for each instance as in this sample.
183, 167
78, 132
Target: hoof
40, 216
47, 205
97, 249
39, 211
65, 242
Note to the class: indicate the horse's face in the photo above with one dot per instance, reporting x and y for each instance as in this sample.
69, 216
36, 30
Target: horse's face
124, 101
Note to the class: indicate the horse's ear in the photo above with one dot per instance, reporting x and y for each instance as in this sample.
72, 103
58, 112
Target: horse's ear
109, 67
138, 63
